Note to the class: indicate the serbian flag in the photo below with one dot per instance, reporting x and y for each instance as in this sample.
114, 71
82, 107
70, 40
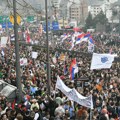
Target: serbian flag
79, 38
86, 37
91, 40
73, 69
72, 45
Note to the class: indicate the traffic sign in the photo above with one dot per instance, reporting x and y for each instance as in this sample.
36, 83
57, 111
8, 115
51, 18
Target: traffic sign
30, 18
44, 26
55, 25
7, 25
12, 19
4, 19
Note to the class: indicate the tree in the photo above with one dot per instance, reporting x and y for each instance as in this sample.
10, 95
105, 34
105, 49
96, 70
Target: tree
100, 18
89, 21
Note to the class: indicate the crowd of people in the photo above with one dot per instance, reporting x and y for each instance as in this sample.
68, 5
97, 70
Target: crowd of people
37, 104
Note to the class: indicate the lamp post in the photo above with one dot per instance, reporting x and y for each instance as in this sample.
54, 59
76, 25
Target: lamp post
18, 78
47, 54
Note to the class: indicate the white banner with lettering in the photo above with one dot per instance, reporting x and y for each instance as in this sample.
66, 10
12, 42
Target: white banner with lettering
73, 95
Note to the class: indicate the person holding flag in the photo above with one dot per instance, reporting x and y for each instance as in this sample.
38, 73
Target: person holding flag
73, 69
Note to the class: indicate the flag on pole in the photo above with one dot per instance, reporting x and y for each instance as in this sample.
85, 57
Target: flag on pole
72, 45
90, 45
86, 37
91, 40
102, 61
73, 69
79, 38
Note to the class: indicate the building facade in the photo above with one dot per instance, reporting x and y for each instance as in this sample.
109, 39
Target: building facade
74, 12
94, 10
83, 11
95, 6
79, 12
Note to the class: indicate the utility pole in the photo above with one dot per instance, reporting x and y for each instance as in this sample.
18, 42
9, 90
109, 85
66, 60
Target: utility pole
63, 22
18, 77
47, 54
119, 19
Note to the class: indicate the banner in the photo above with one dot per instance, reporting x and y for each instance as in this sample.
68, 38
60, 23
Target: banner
34, 55
101, 61
4, 41
73, 95
23, 61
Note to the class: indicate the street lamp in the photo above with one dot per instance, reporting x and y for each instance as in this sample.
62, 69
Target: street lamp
47, 45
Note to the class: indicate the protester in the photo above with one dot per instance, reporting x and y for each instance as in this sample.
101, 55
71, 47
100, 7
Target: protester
36, 104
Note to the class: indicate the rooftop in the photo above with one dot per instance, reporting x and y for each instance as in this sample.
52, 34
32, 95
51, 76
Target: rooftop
95, 2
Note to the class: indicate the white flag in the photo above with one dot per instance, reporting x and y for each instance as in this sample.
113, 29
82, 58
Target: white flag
34, 55
101, 61
73, 95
